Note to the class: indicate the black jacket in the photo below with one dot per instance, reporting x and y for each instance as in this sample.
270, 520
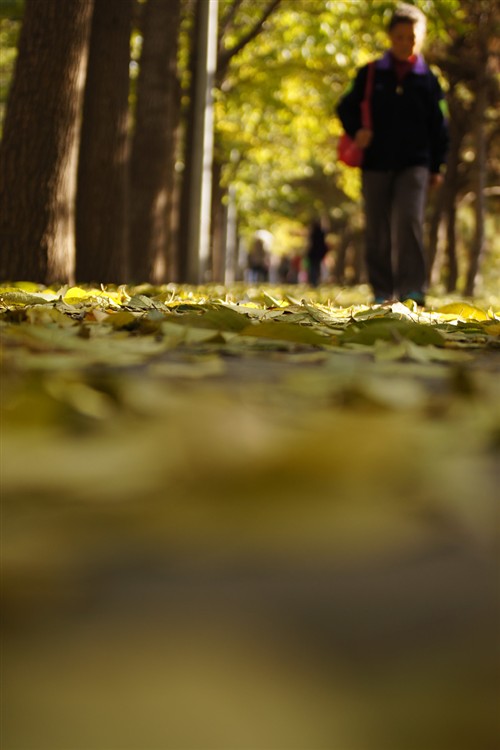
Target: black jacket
317, 247
408, 119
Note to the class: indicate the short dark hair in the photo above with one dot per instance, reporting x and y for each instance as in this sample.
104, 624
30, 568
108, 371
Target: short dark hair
406, 13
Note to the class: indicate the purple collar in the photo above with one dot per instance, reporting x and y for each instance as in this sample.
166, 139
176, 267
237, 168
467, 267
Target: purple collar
385, 63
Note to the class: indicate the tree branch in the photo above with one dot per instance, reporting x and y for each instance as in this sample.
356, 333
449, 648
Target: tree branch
226, 21
225, 56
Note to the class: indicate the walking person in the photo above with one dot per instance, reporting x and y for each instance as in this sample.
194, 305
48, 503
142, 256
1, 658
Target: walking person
258, 262
316, 251
404, 154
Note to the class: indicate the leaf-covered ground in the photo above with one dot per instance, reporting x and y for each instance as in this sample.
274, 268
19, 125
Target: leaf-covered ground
248, 519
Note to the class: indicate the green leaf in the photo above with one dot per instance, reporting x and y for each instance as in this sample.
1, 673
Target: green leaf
15, 299
141, 302
217, 318
282, 331
389, 329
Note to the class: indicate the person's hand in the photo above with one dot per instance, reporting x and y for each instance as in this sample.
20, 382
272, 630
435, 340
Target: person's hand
363, 138
435, 180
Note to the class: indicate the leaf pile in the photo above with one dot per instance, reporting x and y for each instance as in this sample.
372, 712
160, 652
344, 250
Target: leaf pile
160, 378
162, 439
175, 317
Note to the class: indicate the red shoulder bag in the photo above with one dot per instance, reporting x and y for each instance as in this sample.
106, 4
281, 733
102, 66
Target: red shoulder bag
347, 150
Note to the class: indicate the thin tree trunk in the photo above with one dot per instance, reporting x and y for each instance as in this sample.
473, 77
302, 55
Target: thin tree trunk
174, 219
451, 188
154, 143
451, 244
339, 266
450, 195
37, 153
477, 249
218, 225
435, 221
102, 196
194, 230
231, 237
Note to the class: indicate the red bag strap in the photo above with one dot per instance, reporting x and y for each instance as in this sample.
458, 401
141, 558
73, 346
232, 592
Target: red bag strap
366, 114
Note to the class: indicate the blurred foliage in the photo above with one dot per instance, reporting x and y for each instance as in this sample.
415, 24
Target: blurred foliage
279, 136
276, 126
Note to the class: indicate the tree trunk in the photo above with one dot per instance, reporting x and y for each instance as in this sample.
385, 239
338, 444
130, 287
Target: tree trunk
194, 231
450, 197
188, 137
218, 226
102, 205
231, 238
339, 266
451, 244
435, 222
38, 149
452, 187
154, 143
477, 249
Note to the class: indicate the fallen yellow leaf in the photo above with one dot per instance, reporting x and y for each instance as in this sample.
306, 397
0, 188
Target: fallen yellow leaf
464, 311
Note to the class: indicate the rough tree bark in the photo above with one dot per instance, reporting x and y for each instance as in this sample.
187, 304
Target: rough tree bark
102, 194
38, 149
153, 149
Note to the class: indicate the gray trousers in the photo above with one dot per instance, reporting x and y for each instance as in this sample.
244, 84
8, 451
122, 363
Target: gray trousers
394, 205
